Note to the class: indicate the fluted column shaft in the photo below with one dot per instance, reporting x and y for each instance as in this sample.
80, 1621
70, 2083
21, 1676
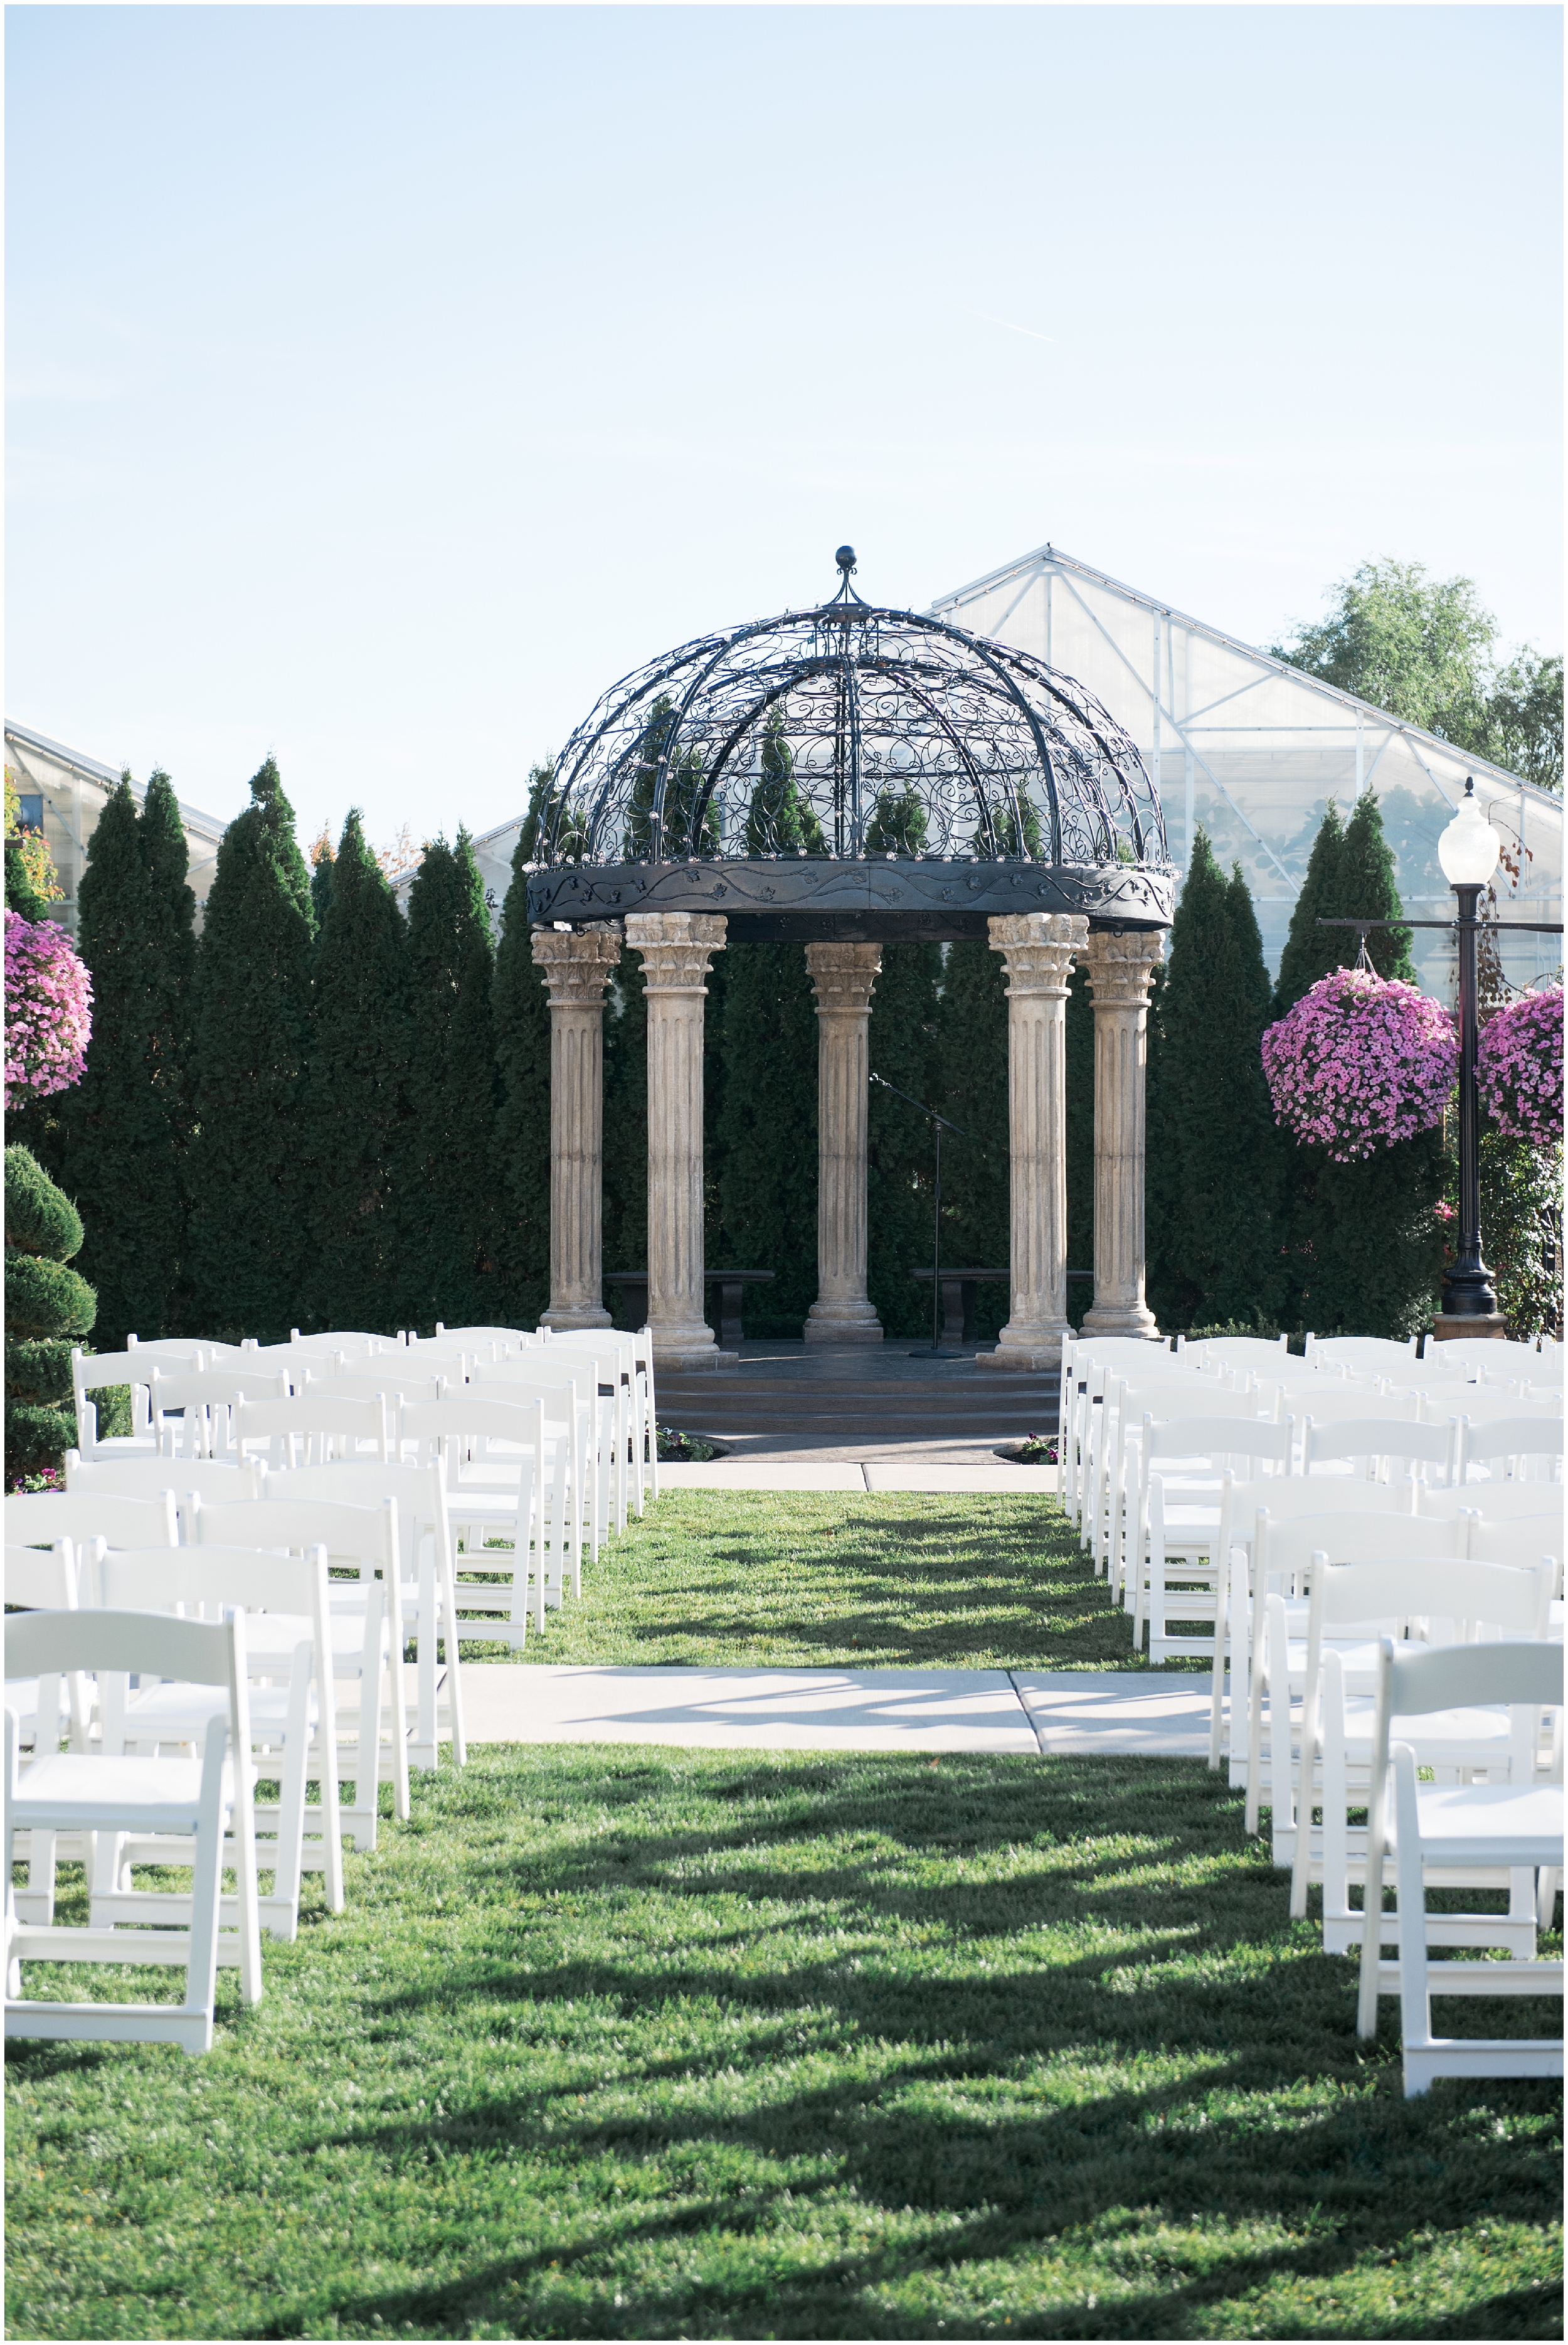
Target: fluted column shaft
843, 977
577, 969
1120, 968
1038, 949
676, 949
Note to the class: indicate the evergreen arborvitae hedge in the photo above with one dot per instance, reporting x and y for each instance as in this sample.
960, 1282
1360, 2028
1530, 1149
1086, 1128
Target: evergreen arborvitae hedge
124, 1130
1365, 1244
357, 1113
49, 1308
249, 1249
972, 1052
766, 1134
449, 1206
1214, 1153
899, 1161
519, 1004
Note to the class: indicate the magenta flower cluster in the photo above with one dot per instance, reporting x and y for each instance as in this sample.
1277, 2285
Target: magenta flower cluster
48, 1011
1360, 1064
1519, 1067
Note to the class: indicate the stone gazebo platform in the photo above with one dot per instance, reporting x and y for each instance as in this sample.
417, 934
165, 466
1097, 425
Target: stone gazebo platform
743, 788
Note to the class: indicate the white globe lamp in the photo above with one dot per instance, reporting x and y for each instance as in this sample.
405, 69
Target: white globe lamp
1468, 849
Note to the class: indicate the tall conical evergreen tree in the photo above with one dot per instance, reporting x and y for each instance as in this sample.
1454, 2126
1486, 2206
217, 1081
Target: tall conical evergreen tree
449, 1218
520, 1007
248, 1245
1212, 1130
1311, 953
358, 1111
781, 820
124, 1130
683, 790
897, 825
1367, 889
972, 1042
899, 1162
766, 1133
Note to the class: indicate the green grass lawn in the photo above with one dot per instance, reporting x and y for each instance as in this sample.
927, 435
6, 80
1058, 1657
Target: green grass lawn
712, 1579
624, 2043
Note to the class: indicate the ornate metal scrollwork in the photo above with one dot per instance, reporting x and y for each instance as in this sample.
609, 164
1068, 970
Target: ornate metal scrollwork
811, 748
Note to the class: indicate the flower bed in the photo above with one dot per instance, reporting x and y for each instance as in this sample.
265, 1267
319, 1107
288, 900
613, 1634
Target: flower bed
1360, 1064
1519, 1067
48, 1012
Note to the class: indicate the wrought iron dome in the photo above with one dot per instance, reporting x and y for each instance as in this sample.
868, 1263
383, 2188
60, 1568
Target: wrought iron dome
850, 771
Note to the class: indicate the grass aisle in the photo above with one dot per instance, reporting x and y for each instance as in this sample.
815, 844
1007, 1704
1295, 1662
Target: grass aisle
783, 1581
659, 2044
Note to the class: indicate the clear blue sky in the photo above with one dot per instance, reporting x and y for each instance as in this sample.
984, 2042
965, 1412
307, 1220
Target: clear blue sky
386, 382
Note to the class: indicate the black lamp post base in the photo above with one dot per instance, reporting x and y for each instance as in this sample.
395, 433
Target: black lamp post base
1468, 1326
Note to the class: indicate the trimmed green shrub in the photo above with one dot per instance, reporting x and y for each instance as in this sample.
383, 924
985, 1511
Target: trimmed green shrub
48, 1308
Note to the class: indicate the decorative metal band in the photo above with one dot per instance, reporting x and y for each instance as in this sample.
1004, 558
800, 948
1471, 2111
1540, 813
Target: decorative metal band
819, 896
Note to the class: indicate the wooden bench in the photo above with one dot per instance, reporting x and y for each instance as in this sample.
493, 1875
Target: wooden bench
731, 1284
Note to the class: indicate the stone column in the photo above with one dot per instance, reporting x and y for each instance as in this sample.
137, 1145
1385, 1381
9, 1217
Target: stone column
1038, 950
676, 947
577, 969
843, 976
1120, 967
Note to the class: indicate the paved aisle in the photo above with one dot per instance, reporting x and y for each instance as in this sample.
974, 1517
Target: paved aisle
1113, 1714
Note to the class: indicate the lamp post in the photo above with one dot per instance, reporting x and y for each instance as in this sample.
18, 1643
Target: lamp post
1468, 852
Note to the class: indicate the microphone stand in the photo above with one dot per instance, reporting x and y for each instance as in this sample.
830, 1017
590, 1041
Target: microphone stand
939, 1124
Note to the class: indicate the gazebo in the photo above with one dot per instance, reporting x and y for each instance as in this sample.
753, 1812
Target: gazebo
847, 776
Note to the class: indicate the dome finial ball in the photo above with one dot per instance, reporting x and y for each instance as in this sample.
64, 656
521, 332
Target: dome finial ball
845, 557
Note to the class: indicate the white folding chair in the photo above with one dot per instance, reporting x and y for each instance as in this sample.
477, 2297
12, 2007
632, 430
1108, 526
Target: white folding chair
1456, 1827
364, 1627
568, 1388
202, 1802
96, 1372
1377, 1445
1189, 1457
39, 1518
289, 1654
44, 1579
216, 1479
312, 1427
506, 1460
1381, 1354
191, 1416
1504, 1449
427, 1599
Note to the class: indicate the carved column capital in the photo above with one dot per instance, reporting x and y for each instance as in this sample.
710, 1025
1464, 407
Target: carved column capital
1038, 950
843, 976
676, 947
578, 965
1120, 967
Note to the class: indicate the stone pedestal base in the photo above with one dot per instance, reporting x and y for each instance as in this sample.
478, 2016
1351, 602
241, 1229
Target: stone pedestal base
1452, 1327
1034, 1359
1122, 1319
567, 1320
677, 1358
842, 1324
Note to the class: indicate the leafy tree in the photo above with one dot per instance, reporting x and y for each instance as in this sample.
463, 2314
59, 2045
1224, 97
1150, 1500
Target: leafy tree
126, 1130
899, 1159
449, 1258
1213, 1128
1423, 648
766, 1132
32, 883
520, 1011
358, 1099
780, 818
47, 1309
249, 1246
1526, 711
972, 1049
682, 788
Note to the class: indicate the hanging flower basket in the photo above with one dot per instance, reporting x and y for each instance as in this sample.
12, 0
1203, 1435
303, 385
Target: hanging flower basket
1518, 1067
1360, 1064
49, 1014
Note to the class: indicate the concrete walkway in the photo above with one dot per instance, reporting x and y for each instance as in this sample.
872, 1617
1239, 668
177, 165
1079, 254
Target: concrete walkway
987, 1478
1024, 1712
